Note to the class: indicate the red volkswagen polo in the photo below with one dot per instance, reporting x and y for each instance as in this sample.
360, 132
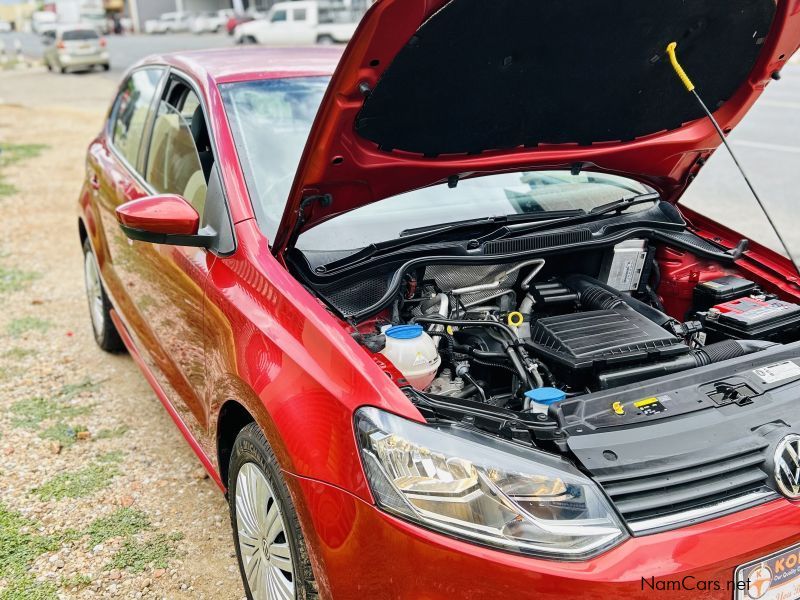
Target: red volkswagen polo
432, 316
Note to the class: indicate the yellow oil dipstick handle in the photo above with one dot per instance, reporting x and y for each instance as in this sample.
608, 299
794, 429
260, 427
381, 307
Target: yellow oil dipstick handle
678, 68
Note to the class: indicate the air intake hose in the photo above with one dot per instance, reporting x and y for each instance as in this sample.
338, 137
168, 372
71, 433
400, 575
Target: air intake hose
599, 296
700, 357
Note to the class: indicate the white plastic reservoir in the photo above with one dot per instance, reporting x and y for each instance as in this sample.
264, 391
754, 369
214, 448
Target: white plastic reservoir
413, 352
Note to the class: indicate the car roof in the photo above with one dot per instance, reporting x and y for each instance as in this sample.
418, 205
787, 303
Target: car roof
225, 65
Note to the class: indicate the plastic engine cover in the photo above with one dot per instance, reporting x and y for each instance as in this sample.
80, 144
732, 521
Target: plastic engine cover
587, 342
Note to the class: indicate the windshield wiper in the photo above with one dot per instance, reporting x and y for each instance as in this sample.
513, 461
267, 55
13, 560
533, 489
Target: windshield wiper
623, 204
411, 237
500, 221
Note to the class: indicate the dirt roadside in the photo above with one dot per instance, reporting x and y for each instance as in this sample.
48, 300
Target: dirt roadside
100, 495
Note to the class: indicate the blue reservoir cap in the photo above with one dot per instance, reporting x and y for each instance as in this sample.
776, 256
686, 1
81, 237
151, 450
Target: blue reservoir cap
404, 332
546, 395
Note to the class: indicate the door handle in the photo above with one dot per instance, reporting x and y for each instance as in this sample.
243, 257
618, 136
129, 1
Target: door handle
94, 181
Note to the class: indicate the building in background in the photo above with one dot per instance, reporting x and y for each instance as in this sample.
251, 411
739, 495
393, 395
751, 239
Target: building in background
18, 13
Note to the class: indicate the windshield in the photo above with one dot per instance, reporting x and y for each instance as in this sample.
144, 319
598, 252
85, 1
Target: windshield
488, 196
270, 121
79, 34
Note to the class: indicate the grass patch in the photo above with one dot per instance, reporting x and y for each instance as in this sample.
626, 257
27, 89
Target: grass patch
18, 549
123, 522
6, 189
17, 353
107, 434
12, 280
12, 153
76, 484
78, 580
136, 556
31, 412
25, 587
63, 433
25, 324
115, 456
71, 390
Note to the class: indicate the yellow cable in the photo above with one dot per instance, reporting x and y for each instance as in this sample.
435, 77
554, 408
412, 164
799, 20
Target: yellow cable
678, 68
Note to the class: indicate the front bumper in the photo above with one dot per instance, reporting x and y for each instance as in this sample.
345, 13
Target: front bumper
359, 551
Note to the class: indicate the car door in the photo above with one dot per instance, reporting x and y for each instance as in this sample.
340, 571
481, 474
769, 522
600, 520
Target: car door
164, 284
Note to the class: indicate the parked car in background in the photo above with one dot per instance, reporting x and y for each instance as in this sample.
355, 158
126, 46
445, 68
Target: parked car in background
6, 26
98, 20
169, 22
43, 20
238, 19
210, 21
299, 23
75, 47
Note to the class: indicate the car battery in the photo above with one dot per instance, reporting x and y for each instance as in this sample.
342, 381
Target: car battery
753, 318
715, 291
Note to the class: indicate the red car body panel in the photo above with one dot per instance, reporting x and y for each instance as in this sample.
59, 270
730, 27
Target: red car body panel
355, 171
210, 331
407, 562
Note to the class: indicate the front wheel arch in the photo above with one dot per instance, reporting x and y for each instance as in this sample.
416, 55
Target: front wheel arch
233, 417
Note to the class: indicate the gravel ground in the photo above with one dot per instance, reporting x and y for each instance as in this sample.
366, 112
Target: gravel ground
100, 496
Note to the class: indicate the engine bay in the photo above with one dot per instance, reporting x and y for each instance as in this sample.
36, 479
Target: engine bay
512, 344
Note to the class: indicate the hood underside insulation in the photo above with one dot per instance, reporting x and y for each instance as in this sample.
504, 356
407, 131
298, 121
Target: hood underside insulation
481, 76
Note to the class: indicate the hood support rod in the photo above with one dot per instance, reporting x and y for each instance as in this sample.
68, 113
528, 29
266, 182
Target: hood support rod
691, 88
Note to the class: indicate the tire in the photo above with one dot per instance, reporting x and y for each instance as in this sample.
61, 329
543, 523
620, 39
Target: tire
48, 65
63, 70
325, 40
254, 466
106, 66
248, 40
105, 333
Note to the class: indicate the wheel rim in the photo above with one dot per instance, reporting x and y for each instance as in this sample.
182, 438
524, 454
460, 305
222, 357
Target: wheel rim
94, 292
263, 543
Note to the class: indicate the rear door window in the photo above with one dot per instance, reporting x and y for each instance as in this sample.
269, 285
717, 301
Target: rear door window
131, 111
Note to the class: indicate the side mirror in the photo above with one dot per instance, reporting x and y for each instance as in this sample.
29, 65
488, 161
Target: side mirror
163, 219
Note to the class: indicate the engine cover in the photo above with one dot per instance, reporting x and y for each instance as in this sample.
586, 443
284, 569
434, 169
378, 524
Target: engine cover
579, 345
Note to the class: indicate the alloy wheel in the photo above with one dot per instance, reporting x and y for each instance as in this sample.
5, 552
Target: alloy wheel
262, 533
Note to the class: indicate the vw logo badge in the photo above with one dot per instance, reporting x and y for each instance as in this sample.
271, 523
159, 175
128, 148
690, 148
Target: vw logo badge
787, 466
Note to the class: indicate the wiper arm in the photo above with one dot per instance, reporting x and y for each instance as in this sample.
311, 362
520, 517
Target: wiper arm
410, 237
500, 221
618, 206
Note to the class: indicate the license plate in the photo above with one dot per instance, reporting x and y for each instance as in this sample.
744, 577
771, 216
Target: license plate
774, 577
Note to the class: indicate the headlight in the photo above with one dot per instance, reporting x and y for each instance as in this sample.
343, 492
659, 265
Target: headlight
484, 489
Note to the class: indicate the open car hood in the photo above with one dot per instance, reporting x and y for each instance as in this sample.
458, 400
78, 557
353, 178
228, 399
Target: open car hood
429, 89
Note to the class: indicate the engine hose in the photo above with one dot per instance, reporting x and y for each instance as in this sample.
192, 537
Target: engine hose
489, 363
512, 341
599, 296
700, 357
510, 335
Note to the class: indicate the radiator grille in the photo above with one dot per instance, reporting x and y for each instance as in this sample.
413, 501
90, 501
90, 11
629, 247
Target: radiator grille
680, 487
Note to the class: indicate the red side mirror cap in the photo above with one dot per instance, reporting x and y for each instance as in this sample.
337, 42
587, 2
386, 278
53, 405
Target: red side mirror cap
162, 219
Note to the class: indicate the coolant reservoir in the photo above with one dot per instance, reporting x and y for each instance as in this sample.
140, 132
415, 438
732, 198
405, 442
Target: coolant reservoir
413, 352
